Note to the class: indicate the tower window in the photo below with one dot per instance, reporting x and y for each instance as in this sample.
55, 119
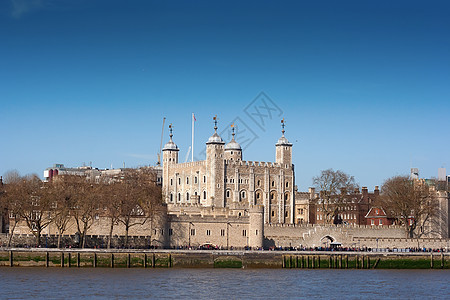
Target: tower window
287, 183
204, 179
195, 179
259, 182
187, 196
273, 183
179, 180
204, 195
171, 181
228, 194
187, 180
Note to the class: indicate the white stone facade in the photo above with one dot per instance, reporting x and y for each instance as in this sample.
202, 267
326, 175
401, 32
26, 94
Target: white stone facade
224, 180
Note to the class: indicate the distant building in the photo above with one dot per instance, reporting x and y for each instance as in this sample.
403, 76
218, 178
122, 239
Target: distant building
91, 173
352, 208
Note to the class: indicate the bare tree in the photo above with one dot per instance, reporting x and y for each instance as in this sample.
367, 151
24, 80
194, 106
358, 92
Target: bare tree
334, 187
137, 195
11, 201
411, 202
35, 205
84, 207
62, 195
110, 192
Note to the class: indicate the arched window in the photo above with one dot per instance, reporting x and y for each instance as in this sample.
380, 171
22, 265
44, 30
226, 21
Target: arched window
195, 179
187, 180
287, 183
187, 196
273, 182
286, 197
171, 197
204, 195
259, 182
228, 194
179, 180
171, 181
179, 197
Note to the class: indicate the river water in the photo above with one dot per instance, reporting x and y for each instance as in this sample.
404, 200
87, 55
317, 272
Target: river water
52, 283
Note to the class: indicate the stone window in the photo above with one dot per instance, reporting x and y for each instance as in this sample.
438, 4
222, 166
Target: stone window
204, 179
179, 197
204, 195
170, 231
228, 194
286, 197
244, 232
187, 196
171, 197
179, 180
273, 213
380, 222
273, 183
187, 180
192, 231
195, 179
208, 232
259, 183
256, 232
171, 181
287, 184
222, 232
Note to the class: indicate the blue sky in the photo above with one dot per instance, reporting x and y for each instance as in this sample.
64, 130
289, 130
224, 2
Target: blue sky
363, 86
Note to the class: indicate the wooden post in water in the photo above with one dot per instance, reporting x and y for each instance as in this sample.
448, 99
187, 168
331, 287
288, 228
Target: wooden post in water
346, 261
301, 261
11, 259
307, 262
170, 261
431, 260
368, 262
62, 259
335, 262
94, 263
330, 260
78, 259
312, 263
153, 260
128, 260
340, 261
442, 260
145, 260
318, 261
284, 262
69, 258
112, 260
46, 259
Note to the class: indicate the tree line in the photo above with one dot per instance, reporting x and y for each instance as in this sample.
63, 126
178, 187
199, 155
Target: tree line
132, 198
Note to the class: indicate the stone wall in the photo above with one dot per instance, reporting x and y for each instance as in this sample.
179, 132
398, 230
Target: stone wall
286, 235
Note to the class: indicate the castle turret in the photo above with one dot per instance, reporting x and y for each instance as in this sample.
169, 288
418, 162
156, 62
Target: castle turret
170, 157
256, 228
233, 150
215, 166
283, 149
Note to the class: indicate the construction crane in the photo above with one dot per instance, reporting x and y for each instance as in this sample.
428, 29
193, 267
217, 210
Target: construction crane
160, 145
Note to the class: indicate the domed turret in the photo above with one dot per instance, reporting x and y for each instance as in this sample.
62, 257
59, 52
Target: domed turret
170, 150
233, 150
215, 138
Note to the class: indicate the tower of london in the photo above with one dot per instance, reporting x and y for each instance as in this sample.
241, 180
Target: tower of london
225, 180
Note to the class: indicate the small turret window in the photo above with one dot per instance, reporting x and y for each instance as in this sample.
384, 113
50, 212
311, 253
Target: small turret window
171, 181
195, 179
187, 180
187, 196
204, 195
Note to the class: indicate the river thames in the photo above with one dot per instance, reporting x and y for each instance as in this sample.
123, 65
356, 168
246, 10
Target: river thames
103, 283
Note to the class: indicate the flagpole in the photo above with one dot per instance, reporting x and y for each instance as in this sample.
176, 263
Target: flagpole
192, 154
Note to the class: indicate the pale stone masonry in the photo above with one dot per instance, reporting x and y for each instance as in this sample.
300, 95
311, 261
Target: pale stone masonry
224, 180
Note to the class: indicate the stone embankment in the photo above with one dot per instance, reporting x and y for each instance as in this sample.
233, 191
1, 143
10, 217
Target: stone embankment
114, 258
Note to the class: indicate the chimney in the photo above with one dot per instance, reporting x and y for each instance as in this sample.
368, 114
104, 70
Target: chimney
376, 191
365, 192
312, 192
